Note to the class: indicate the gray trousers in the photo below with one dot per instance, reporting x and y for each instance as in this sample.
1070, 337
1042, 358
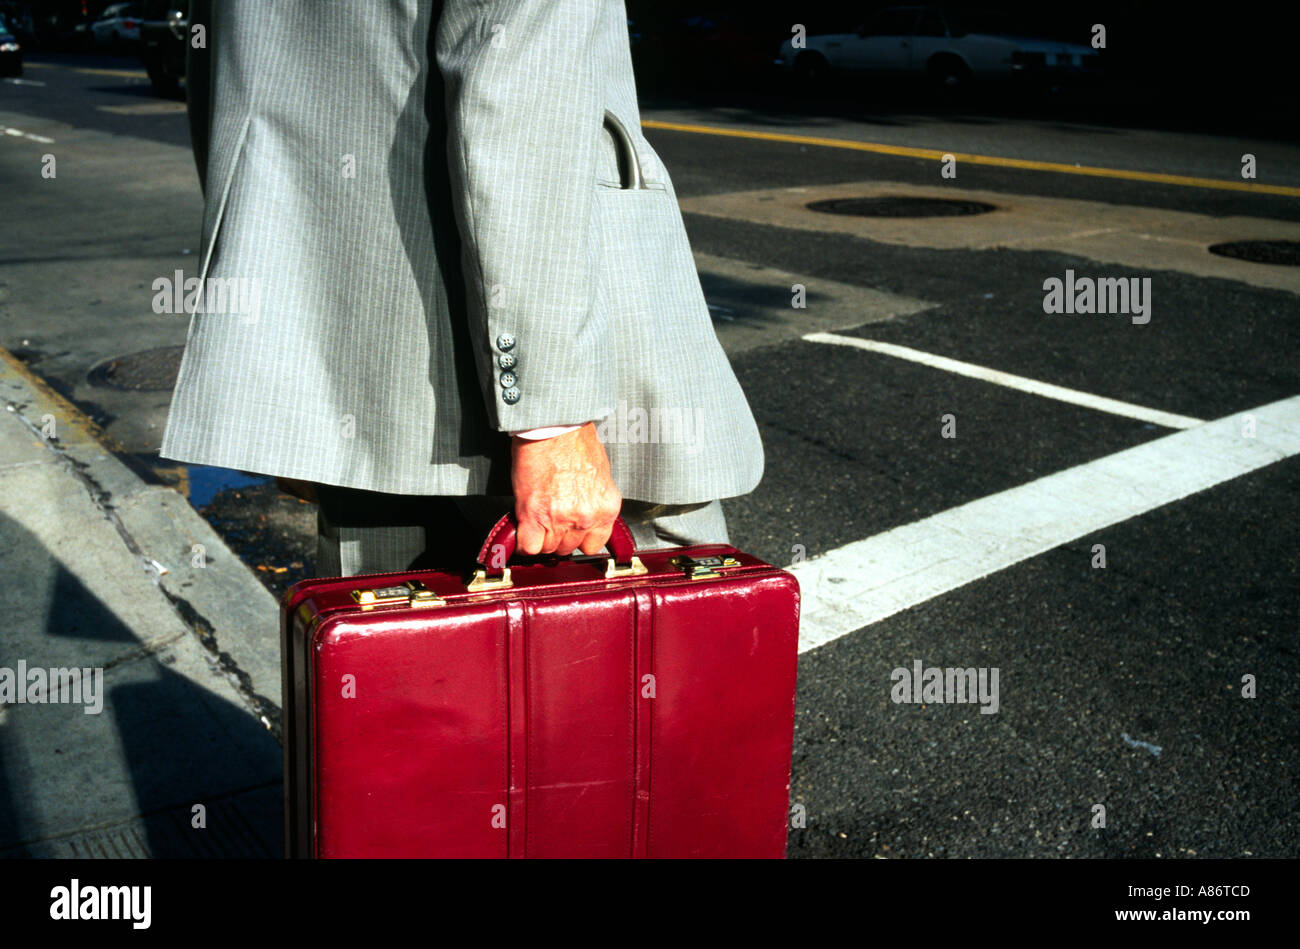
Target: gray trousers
363, 532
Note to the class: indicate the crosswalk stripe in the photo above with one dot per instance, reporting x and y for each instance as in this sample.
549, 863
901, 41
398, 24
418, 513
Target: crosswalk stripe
869, 580
1024, 384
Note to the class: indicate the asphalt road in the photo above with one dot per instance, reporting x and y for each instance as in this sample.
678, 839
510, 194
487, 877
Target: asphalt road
1120, 686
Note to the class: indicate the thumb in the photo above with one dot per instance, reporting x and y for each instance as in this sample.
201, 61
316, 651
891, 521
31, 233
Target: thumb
529, 536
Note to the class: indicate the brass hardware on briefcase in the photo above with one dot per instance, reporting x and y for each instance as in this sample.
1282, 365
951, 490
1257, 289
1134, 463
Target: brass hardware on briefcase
415, 593
703, 568
633, 569
482, 582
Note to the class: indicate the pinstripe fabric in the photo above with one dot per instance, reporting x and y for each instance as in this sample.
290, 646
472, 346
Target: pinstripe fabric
407, 184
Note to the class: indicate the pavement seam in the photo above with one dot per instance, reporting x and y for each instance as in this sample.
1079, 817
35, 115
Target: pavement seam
145, 651
93, 488
221, 662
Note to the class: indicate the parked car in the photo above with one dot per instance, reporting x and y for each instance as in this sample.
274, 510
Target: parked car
949, 48
20, 23
164, 36
118, 26
11, 54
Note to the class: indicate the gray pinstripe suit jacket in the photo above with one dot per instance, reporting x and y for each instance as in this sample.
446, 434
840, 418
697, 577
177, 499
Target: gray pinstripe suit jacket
436, 246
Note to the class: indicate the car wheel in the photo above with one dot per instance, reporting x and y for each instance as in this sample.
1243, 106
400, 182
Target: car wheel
812, 73
949, 78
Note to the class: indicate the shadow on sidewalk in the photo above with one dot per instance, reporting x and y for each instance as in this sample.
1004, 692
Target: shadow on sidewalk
124, 782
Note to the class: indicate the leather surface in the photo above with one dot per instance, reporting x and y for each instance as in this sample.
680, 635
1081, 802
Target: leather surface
570, 716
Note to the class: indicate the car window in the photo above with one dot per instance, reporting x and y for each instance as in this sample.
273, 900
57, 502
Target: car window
931, 24
891, 23
982, 21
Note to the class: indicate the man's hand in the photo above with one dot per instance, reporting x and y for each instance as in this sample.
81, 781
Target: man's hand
565, 498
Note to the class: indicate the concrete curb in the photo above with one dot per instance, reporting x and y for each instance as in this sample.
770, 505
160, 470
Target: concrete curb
215, 596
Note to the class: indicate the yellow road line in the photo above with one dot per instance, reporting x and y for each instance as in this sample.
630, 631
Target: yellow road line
122, 73
933, 154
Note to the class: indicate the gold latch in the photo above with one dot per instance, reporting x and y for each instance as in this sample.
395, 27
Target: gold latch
414, 592
482, 581
634, 569
703, 568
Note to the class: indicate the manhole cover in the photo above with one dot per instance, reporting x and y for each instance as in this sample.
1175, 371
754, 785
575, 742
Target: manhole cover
1286, 253
151, 370
900, 207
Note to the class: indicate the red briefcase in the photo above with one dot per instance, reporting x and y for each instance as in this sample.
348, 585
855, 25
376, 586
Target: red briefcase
640, 705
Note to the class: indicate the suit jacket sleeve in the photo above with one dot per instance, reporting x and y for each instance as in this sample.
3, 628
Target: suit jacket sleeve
525, 110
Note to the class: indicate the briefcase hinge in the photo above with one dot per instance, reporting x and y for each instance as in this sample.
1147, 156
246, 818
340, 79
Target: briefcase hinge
415, 593
703, 568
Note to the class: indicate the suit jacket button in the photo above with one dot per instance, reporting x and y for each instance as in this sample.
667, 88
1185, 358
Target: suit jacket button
510, 395
506, 360
505, 341
507, 380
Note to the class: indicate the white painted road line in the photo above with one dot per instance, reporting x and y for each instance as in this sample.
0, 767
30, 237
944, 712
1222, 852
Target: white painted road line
866, 581
19, 133
145, 108
1073, 396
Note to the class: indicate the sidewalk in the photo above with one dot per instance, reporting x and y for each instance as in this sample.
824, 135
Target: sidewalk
125, 581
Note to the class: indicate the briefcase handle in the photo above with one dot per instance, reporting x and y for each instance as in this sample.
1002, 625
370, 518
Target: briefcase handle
500, 547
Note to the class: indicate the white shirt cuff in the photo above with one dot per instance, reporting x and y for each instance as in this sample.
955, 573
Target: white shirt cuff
537, 434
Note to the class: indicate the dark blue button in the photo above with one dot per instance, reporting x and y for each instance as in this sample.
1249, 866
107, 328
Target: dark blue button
510, 395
